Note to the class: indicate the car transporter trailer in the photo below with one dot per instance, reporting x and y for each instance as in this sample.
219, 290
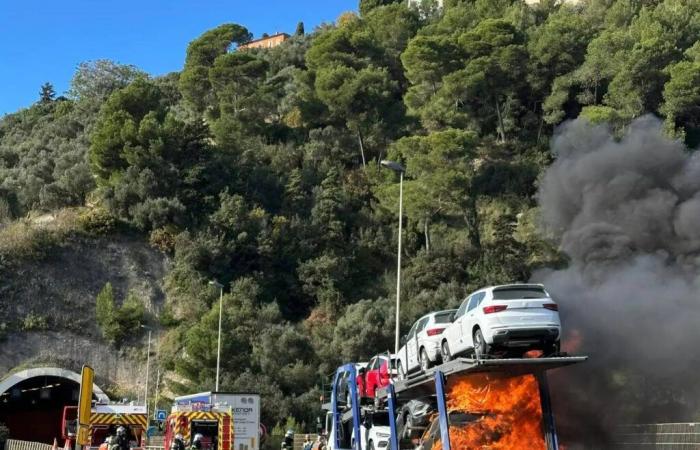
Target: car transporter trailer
433, 382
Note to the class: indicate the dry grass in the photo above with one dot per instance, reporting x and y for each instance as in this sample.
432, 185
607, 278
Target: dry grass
31, 237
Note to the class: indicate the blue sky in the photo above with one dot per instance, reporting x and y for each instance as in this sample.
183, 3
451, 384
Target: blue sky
44, 40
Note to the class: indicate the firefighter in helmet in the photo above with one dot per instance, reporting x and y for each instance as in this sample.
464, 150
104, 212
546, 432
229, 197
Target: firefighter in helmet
120, 441
178, 443
197, 442
288, 442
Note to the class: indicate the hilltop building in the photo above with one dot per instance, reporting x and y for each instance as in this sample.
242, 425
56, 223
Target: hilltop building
265, 42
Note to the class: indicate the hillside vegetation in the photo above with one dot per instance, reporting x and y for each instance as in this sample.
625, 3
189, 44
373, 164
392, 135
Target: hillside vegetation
260, 169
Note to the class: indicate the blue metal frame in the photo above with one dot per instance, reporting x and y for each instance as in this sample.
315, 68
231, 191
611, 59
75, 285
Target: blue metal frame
354, 403
442, 410
393, 434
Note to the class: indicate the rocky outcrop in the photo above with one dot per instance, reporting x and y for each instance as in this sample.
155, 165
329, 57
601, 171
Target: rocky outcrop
48, 307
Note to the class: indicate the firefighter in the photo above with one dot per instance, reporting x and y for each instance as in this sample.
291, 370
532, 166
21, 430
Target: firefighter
106, 444
178, 443
197, 442
122, 438
288, 442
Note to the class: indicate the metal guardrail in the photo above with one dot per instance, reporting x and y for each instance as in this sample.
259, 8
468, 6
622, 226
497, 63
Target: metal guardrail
658, 436
13, 444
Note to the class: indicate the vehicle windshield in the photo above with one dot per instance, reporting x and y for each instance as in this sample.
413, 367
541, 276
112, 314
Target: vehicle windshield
444, 317
518, 293
380, 419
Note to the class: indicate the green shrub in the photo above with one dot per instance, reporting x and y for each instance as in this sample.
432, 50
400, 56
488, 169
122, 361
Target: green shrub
163, 239
118, 323
34, 322
98, 221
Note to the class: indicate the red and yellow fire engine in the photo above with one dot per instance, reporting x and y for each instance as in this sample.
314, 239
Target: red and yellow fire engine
214, 423
104, 421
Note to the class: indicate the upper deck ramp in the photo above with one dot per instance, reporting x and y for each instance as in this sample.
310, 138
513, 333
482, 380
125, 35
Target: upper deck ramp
423, 384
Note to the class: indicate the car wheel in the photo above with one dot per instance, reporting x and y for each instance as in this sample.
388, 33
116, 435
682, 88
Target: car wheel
445, 351
481, 348
425, 363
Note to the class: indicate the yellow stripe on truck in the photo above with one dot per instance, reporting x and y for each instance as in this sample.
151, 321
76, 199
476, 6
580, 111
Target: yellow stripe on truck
119, 419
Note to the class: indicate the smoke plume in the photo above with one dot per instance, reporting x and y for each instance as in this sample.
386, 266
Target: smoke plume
626, 211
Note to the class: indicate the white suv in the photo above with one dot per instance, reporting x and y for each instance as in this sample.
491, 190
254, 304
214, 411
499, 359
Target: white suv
374, 431
421, 346
514, 317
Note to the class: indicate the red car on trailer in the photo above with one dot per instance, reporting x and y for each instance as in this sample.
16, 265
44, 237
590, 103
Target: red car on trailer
380, 370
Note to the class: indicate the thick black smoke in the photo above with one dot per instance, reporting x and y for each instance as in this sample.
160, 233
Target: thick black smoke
627, 213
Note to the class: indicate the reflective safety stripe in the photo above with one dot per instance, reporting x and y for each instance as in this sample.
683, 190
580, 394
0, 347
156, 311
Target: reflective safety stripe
119, 419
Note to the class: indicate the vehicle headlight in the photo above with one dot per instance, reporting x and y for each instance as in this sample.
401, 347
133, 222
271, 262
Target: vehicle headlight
383, 435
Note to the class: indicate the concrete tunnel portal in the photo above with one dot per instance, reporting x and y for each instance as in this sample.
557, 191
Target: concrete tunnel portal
32, 402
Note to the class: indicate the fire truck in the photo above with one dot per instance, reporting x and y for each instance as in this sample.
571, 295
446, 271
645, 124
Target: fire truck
104, 421
213, 422
463, 403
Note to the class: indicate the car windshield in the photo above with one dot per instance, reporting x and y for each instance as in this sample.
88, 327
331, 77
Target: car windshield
380, 419
517, 293
444, 317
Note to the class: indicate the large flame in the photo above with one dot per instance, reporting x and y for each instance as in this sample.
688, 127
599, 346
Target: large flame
507, 411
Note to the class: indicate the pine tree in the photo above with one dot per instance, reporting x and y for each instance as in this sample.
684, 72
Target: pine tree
294, 194
300, 29
105, 310
327, 209
47, 93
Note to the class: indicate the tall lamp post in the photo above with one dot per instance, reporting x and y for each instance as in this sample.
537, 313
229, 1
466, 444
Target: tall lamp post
396, 167
218, 345
148, 365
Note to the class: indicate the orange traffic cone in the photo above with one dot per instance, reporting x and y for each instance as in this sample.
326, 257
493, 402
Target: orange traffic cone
55, 444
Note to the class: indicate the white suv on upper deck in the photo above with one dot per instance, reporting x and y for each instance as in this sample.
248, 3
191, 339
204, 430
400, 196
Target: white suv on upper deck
513, 317
421, 346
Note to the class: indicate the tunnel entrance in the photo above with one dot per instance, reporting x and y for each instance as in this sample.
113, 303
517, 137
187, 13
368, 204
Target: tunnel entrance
32, 402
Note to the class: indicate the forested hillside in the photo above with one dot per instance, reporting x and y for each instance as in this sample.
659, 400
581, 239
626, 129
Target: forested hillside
260, 169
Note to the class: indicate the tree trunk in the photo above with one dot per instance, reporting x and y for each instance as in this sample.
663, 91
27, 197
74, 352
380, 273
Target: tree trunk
501, 130
362, 147
426, 232
471, 217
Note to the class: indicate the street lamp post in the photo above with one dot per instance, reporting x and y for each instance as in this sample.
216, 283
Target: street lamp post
218, 349
396, 167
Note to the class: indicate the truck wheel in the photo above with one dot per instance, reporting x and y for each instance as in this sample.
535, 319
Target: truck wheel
481, 348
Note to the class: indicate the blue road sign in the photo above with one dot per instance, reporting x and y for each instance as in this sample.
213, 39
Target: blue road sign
161, 414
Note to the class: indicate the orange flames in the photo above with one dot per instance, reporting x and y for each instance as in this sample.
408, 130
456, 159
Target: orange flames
506, 413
